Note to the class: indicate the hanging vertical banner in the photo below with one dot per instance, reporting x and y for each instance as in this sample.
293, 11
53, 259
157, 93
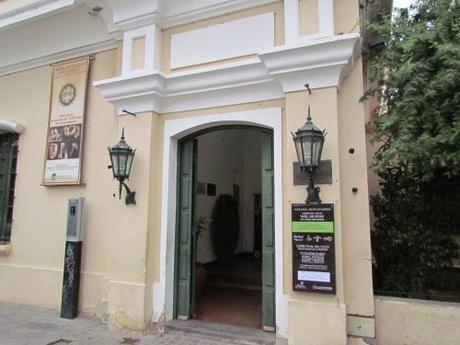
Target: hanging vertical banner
313, 248
66, 122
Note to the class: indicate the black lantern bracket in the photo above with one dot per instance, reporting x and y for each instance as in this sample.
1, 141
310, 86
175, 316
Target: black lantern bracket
121, 158
130, 198
128, 112
313, 192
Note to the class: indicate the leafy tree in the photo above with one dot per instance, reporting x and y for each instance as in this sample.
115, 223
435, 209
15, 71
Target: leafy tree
415, 74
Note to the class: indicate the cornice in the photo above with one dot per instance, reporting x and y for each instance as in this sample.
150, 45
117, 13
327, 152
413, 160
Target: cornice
173, 19
156, 12
60, 56
31, 10
200, 88
322, 62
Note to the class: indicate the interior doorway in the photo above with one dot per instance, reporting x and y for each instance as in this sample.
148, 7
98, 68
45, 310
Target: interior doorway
225, 232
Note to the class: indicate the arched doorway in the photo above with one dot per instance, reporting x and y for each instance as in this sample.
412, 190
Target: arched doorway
177, 129
224, 262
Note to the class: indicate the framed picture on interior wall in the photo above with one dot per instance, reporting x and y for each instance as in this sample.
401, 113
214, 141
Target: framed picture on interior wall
201, 188
236, 193
211, 190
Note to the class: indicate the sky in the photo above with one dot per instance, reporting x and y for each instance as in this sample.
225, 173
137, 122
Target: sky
402, 3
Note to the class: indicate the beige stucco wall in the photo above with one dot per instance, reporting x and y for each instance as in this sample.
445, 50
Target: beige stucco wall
34, 266
114, 283
415, 322
341, 113
346, 16
130, 290
355, 206
308, 17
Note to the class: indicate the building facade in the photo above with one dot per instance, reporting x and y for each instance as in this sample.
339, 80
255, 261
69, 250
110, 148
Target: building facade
188, 70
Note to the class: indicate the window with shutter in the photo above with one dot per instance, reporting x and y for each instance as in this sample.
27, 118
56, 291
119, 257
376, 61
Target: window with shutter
8, 161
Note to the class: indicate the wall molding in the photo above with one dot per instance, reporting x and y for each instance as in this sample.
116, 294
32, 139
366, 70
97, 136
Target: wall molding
11, 126
31, 10
323, 62
56, 57
158, 13
174, 19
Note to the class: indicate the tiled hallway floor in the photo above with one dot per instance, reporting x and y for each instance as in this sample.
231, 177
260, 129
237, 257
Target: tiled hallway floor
230, 306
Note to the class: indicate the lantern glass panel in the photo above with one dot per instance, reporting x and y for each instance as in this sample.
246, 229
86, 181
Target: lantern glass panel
114, 156
116, 163
112, 161
129, 163
122, 160
298, 149
317, 145
307, 150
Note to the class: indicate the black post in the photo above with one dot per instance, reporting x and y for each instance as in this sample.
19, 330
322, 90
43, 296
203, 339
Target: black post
72, 259
71, 281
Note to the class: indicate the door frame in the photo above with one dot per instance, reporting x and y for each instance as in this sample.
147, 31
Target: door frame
177, 129
191, 141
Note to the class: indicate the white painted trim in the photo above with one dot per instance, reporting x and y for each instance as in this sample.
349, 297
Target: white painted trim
152, 12
151, 58
5, 249
32, 10
321, 62
291, 21
326, 17
214, 10
223, 41
56, 57
11, 126
240, 82
173, 131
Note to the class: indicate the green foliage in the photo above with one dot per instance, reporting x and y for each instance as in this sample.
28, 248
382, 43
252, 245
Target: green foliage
412, 243
416, 77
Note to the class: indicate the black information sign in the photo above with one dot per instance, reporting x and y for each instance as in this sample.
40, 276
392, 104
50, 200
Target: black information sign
313, 248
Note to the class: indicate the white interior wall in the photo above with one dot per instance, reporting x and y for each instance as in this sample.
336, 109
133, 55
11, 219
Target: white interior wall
225, 158
251, 184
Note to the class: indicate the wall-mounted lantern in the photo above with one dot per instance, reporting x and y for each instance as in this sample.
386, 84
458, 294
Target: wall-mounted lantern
121, 158
309, 141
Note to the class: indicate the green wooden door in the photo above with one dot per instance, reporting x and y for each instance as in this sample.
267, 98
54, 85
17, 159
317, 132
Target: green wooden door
185, 263
268, 236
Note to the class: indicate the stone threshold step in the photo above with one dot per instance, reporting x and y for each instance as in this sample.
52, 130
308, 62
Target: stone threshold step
235, 334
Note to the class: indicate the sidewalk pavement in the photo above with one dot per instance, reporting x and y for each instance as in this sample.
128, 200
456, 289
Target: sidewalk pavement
25, 325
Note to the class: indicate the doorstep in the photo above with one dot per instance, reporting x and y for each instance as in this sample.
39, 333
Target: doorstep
238, 335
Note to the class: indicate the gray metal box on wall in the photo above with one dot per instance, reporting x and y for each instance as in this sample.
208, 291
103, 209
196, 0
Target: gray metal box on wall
74, 220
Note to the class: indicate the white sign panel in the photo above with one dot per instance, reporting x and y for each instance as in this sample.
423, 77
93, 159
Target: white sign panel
223, 41
313, 276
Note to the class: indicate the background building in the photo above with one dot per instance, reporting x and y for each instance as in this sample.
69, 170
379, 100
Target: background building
187, 68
